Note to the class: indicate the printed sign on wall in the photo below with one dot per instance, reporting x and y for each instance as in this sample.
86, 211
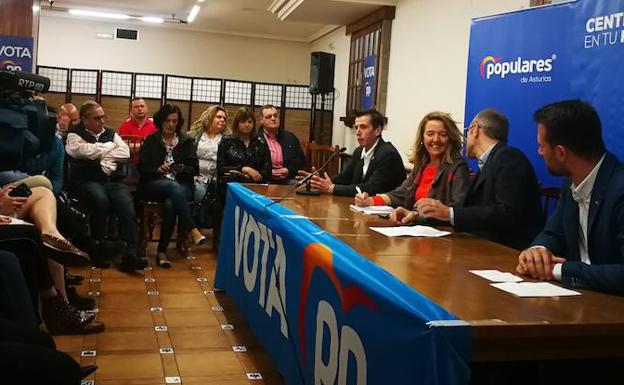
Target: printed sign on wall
369, 82
16, 53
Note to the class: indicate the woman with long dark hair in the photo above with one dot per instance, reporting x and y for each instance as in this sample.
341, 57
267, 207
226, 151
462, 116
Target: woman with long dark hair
168, 164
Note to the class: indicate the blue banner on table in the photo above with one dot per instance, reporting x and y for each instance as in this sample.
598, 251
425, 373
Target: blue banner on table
16, 53
323, 312
521, 61
369, 82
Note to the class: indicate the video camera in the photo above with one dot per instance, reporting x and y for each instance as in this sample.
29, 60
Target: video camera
26, 126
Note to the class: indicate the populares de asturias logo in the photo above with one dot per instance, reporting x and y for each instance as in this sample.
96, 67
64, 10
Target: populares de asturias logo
497, 67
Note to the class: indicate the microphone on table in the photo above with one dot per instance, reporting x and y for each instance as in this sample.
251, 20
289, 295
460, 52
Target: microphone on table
307, 179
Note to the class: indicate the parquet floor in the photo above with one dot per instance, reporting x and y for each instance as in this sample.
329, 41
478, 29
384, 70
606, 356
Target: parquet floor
168, 326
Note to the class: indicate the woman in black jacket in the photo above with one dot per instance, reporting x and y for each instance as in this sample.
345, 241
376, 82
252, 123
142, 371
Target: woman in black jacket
167, 163
241, 156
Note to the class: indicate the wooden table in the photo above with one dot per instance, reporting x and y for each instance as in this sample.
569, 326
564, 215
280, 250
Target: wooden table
505, 327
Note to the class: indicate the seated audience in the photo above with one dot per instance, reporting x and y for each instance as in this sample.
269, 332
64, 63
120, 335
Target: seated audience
27, 355
167, 164
207, 132
376, 166
138, 124
439, 170
582, 245
96, 157
49, 163
287, 157
241, 156
503, 202
59, 316
67, 116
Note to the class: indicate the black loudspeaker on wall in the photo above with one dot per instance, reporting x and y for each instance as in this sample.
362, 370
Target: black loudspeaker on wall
322, 72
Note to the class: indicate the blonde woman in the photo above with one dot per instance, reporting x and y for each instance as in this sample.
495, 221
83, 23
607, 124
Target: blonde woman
207, 132
439, 170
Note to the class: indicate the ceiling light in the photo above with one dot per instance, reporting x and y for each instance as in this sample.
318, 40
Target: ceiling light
193, 13
105, 15
150, 19
35, 8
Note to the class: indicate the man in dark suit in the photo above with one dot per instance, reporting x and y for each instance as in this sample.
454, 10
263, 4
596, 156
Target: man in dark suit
376, 166
503, 203
583, 242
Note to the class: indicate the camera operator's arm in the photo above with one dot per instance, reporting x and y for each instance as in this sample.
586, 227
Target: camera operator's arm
79, 148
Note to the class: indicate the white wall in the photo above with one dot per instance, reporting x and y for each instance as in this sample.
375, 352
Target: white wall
428, 62
338, 43
66, 42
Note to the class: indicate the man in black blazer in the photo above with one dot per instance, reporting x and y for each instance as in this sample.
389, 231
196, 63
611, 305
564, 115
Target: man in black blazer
376, 166
503, 203
583, 243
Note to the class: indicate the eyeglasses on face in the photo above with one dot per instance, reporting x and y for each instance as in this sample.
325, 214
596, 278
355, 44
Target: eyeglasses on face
97, 117
269, 116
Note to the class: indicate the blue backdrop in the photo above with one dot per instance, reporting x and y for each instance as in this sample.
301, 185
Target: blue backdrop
323, 312
520, 61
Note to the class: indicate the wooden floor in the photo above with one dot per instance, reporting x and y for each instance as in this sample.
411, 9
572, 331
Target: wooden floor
168, 326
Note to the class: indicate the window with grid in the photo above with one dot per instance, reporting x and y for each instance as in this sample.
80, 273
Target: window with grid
328, 104
116, 83
148, 86
370, 36
268, 94
237, 92
84, 82
58, 77
298, 97
363, 44
179, 88
207, 90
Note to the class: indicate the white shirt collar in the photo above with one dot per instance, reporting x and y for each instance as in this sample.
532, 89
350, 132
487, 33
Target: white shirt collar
484, 157
368, 154
583, 191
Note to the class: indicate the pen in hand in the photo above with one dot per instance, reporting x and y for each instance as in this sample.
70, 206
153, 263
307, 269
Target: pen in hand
358, 189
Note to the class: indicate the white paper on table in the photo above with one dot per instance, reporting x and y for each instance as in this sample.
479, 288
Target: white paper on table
412, 231
496, 276
384, 211
535, 289
389, 231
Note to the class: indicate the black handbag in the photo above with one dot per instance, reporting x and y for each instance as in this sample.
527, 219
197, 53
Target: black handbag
204, 210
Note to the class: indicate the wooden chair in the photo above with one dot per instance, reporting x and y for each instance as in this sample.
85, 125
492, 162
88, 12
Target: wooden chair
317, 155
149, 214
549, 195
134, 142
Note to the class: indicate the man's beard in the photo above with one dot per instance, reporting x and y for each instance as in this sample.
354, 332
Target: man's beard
557, 172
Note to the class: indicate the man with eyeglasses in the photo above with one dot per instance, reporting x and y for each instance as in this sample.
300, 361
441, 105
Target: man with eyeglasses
287, 156
96, 156
503, 203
